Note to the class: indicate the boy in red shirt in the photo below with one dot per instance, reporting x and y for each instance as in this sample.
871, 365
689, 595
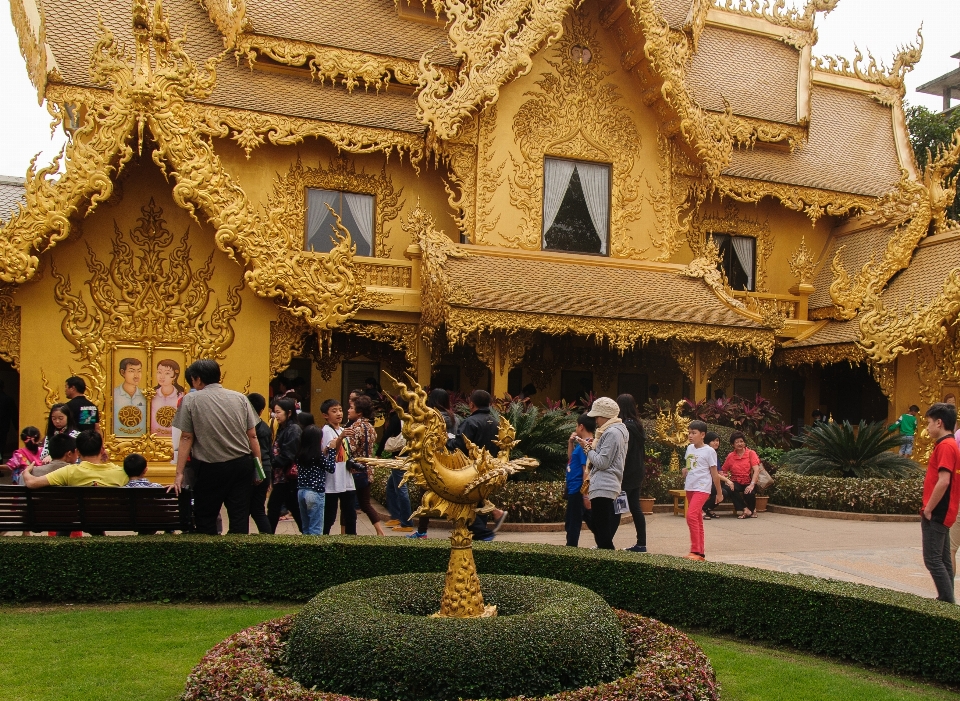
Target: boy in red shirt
941, 498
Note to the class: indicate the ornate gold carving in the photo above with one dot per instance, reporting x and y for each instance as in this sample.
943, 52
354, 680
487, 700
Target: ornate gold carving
401, 337
885, 377
819, 355
495, 43
706, 267
685, 355
924, 205
778, 13
453, 485
9, 328
672, 429
802, 263
435, 285
746, 131
230, 17
672, 202
52, 395
489, 176
147, 296
461, 160
621, 334
290, 197
893, 77
151, 90
811, 201
731, 222
576, 114
32, 34
288, 335
374, 275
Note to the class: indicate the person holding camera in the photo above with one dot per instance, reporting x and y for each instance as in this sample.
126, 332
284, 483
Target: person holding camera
361, 440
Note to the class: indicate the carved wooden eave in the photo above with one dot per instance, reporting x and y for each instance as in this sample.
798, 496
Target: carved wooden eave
347, 67
153, 94
814, 202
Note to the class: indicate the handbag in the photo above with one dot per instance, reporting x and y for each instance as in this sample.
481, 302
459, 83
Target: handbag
395, 444
621, 505
764, 479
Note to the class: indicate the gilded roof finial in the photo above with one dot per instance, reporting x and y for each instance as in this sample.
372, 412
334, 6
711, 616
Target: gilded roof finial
802, 263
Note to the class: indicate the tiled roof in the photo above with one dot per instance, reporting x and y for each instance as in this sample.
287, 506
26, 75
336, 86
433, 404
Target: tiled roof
858, 249
11, 194
361, 25
556, 287
923, 280
72, 32
756, 75
674, 11
850, 148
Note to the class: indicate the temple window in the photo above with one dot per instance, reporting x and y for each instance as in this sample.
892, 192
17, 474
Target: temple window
738, 260
356, 212
576, 206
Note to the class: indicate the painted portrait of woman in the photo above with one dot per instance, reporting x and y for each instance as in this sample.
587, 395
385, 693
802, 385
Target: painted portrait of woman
168, 393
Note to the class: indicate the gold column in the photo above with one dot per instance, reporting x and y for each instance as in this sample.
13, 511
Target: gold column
501, 368
699, 379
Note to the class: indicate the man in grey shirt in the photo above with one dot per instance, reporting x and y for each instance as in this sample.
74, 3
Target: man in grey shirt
219, 439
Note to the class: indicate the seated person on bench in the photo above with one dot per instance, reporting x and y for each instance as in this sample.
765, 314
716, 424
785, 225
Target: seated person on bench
89, 472
136, 468
63, 451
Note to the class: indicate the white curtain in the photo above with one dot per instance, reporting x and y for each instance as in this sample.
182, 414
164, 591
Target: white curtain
556, 180
595, 181
361, 207
317, 214
745, 249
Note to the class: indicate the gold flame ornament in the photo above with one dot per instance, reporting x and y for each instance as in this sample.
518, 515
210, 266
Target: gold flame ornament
672, 429
456, 487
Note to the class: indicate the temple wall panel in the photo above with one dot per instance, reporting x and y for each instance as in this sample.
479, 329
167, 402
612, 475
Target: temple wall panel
137, 278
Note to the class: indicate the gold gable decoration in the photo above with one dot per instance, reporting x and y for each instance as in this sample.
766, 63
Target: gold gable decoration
778, 13
576, 114
9, 328
150, 93
923, 206
877, 74
494, 42
167, 307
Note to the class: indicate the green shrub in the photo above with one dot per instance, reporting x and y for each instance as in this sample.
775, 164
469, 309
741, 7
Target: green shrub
376, 639
837, 450
902, 632
664, 664
862, 496
543, 435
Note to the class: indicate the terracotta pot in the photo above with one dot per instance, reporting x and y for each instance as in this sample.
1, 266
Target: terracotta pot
762, 503
646, 505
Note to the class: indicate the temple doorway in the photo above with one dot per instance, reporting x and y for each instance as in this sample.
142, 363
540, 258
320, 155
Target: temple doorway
849, 393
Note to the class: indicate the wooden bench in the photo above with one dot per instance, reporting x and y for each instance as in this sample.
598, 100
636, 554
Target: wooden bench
677, 495
90, 509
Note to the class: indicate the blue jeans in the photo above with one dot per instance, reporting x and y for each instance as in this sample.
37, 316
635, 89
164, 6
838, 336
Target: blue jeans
398, 498
311, 510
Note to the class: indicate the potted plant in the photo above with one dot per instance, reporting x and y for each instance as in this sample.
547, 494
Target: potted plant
651, 463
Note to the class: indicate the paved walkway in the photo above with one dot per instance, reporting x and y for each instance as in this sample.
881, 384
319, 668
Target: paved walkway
879, 554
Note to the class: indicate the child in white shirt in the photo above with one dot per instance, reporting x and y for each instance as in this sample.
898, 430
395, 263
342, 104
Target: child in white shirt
699, 473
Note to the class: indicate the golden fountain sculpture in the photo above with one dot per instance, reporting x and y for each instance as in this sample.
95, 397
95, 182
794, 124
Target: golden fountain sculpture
455, 487
672, 429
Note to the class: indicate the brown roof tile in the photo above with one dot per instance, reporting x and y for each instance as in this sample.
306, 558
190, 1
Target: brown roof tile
831, 333
850, 149
11, 194
674, 11
362, 25
553, 287
756, 75
72, 33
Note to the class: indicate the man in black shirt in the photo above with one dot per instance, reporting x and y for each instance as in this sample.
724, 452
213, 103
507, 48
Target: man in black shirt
481, 429
85, 412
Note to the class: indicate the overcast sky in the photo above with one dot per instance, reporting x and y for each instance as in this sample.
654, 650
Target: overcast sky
878, 25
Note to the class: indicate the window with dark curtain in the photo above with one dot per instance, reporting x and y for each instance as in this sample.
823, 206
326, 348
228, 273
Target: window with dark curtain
356, 213
738, 256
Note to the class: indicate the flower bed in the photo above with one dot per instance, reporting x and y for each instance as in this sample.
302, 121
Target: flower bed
864, 496
250, 665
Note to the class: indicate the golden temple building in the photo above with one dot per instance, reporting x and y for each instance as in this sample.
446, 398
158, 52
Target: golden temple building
665, 197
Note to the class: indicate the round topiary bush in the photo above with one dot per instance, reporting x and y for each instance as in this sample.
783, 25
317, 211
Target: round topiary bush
375, 638
664, 664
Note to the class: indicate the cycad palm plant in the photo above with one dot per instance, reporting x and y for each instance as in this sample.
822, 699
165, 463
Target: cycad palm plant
836, 450
543, 435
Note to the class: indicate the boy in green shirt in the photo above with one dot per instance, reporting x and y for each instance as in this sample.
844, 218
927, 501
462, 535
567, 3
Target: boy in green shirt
907, 423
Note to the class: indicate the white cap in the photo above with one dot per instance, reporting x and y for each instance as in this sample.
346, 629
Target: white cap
605, 407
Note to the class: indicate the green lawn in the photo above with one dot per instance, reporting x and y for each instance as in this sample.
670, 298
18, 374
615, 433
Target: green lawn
144, 652
756, 673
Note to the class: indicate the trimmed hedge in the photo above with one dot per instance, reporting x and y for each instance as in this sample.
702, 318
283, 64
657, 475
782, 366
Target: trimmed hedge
862, 496
902, 632
376, 638
666, 665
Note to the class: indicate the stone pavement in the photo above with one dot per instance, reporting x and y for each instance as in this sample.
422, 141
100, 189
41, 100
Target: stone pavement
879, 554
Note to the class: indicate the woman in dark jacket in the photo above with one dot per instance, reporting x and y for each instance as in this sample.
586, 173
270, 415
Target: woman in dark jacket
283, 459
633, 469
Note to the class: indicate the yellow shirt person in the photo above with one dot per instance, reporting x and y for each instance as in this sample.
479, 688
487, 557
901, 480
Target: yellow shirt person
86, 474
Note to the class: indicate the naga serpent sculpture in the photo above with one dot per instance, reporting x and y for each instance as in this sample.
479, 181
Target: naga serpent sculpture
455, 487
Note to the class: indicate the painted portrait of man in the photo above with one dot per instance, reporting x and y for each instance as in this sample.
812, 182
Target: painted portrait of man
129, 404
